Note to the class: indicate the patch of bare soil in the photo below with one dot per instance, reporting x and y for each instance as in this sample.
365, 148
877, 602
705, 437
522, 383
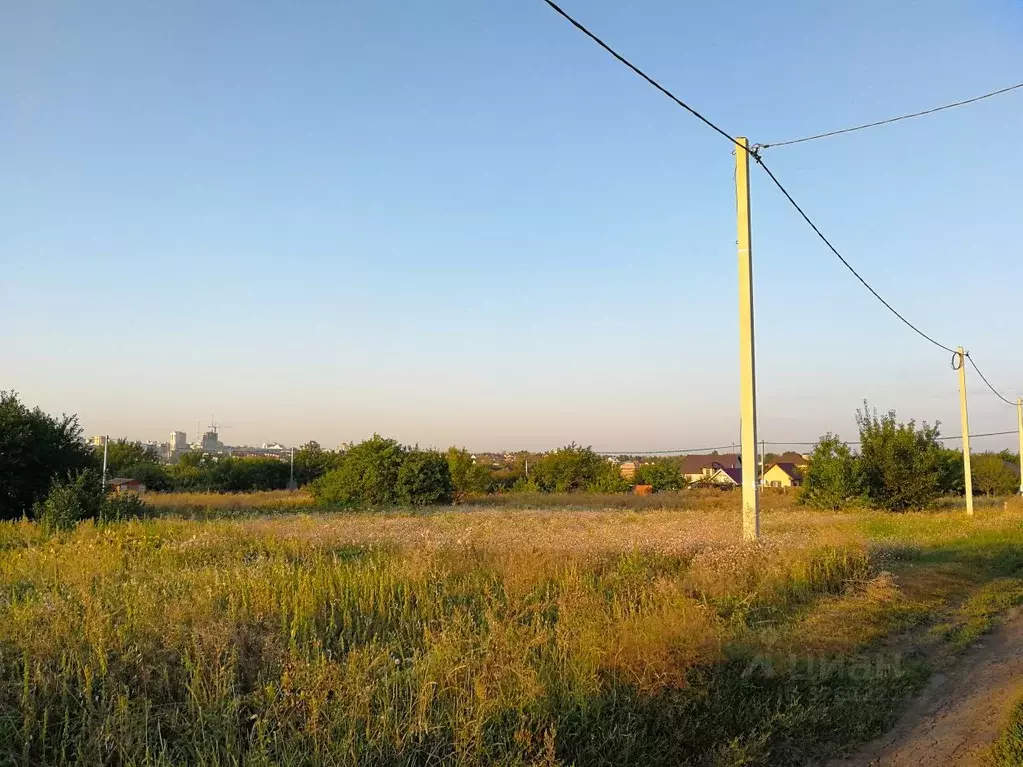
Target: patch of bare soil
960, 713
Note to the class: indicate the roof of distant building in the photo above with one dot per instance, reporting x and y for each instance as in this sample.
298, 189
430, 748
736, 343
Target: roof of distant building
789, 468
791, 456
695, 464
733, 474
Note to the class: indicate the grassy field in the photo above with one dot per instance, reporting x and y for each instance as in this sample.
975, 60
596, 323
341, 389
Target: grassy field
1008, 750
200, 505
511, 636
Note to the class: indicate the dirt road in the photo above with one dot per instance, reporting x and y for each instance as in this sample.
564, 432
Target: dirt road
960, 713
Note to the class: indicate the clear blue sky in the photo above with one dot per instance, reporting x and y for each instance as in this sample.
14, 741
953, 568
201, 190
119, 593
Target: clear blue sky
461, 222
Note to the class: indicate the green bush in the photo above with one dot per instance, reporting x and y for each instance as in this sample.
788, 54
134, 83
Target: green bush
312, 462
662, 474
367, 476
154, 476
992, 474
467, 476
424, 479
118, 508
900, 466
831, 479
70, 501
567, 469
35, 448
525, 485
609, 479
381, 472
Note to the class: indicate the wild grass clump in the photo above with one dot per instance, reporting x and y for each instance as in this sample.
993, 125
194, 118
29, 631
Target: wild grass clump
227, 505
1007, 751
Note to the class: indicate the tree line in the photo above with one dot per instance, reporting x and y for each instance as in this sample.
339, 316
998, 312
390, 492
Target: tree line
899, 466
46, 469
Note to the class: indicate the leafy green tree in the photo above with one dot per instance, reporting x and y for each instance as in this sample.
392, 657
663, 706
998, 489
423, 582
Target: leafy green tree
312, 462
901, 465
35, 448
831, 479
609, 479
249, 474
154, 476
424, 479
662, 474
367, 476
567, 469
951, 471
993, 475
123, 455
467, 476
70, 500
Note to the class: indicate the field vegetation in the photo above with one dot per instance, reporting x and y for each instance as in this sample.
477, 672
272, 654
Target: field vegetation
549, 617
483, 635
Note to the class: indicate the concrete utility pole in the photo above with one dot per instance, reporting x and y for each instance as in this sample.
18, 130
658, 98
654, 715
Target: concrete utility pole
106, 441
291, 480
747, 367
763, 451
966, 430
1019, 423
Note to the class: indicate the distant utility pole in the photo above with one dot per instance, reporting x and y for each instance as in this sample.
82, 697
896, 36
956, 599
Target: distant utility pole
747, 368
1019, 424
961, 359
291, 481
763, 451
106, 441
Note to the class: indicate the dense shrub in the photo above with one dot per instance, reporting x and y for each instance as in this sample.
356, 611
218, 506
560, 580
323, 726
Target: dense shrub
662, 474
901, 466
156, 477
424, 479
609, 479
831, 480
569, 468
117, 508
70, 500
467, 476
381, 472
35, 448
993, 474
312, 462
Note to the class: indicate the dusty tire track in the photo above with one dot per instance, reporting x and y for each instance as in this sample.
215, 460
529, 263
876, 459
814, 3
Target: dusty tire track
961, 711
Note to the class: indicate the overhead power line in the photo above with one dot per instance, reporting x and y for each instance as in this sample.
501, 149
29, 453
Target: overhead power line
668, 452
756, 156
988, 383
641, 73
769, 443
909, 116
845, 263
941, 439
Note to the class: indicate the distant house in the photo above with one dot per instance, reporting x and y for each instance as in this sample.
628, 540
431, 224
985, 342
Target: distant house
726, 477
121, 485
791, 456
700, 468
783, 474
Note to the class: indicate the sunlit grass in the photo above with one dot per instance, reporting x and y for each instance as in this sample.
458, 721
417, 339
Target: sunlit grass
465, 637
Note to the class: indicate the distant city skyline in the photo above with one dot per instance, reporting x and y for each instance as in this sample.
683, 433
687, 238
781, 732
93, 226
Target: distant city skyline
468, 225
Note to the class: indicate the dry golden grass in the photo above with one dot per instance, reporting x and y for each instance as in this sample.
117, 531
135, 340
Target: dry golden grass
279, 499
